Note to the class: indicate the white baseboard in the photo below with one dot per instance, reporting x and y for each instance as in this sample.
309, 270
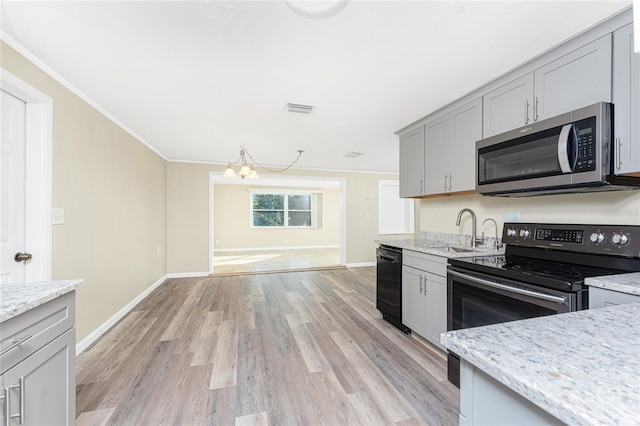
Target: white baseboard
360, 265
187, 274
274, 248
95, 335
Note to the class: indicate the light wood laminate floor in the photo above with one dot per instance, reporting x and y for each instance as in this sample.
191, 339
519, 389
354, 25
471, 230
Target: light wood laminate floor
301, 348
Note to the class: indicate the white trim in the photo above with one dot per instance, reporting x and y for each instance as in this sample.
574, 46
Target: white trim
98, 332
275, 248
39, 154
360, 265
211, 227
188, 274
44, 67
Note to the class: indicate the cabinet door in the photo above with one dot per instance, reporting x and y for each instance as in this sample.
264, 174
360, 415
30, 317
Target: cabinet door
576, 80
413, 300
508, 107
466, 129
436, 308
48, 377
412, 163
626, 98
437, 156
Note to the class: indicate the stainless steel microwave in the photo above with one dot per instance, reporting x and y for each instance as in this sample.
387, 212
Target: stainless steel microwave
567, 153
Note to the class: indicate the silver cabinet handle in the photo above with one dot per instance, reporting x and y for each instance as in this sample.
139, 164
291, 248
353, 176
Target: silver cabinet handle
450, 181
445, 181
15, 343
526, 111
557, 299
20, 414
420, 186
420, 284
535, 110
617, 153
5, 409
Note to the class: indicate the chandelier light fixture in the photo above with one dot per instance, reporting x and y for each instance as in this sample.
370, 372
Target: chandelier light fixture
247, 169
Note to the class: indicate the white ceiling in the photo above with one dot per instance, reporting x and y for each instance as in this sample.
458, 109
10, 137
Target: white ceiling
196, 80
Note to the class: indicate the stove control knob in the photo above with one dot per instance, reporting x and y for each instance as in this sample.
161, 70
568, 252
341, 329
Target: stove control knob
597, 237
511, 232
525, 233
621, 239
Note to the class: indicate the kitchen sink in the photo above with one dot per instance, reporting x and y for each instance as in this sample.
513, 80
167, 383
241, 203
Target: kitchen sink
461, 249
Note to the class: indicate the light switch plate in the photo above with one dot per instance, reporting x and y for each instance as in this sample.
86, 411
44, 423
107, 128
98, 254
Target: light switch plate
57, 216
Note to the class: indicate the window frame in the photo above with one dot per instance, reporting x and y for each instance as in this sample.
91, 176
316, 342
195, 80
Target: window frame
286, 210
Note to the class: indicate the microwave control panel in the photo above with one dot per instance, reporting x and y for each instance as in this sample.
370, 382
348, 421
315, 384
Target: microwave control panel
585, 131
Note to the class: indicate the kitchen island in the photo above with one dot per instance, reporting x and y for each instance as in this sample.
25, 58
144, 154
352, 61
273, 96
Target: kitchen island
579, 368
37, 357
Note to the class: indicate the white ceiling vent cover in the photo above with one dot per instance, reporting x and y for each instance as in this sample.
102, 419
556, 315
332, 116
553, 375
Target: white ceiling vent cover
300, 108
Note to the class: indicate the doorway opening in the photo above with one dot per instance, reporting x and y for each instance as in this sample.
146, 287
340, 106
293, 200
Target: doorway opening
244, 239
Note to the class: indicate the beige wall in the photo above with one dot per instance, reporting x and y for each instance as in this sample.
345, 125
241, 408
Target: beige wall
439, 214
188, 220
231, 214
113, 191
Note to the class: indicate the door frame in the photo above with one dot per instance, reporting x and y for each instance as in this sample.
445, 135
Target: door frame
216, 177
38, 185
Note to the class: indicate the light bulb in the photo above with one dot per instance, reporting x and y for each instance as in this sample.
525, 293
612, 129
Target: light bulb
229, 172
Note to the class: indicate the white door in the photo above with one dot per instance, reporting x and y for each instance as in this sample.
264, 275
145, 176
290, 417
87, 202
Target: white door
12, 188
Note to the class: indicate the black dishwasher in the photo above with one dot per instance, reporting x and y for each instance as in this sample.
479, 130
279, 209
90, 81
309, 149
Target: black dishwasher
389, 285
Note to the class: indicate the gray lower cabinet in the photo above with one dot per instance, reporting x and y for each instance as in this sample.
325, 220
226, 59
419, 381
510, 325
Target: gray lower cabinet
485, 401
601, 298
424, 295
37, 380
626, 98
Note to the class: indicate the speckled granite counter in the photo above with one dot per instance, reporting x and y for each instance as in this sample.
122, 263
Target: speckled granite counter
582, 367
437, 243
623, 283
16, 299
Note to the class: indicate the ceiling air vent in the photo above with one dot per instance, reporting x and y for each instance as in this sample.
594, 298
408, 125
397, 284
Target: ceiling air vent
353, 154
300, 108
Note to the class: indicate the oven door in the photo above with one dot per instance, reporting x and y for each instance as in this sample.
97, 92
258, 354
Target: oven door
475, 299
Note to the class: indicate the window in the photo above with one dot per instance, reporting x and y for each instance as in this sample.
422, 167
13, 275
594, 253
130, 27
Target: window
287, 210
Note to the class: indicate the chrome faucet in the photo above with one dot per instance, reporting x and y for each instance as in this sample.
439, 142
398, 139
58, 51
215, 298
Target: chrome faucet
495, 244
474, 239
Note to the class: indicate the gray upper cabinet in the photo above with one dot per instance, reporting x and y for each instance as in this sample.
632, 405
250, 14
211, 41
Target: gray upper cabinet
412, 163
450, 149
626, 98
466, 129
437, 160
575, 80
579, 78
508, 107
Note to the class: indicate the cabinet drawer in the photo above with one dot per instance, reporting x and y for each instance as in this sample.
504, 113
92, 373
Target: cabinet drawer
43, 324
426, 262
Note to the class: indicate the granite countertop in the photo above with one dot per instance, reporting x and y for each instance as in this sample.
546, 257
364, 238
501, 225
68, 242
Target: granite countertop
440, 248
623, 283
582, 367
16, 299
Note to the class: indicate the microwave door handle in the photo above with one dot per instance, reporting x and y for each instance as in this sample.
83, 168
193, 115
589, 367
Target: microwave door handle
566, 164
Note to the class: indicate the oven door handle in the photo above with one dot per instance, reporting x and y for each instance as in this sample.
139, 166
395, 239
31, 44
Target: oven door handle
535, 294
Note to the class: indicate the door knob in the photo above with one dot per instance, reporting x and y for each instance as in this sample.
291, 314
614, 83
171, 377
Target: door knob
22, 257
